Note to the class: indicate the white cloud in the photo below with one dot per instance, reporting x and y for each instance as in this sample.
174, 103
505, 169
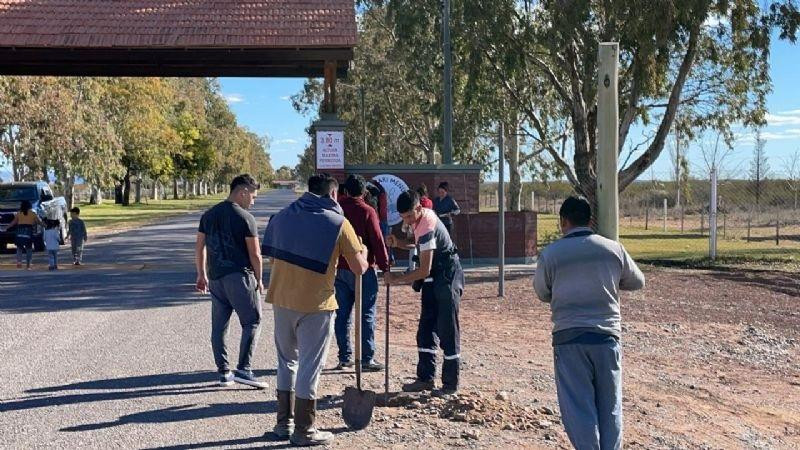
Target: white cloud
784, 118
234, 98
286, 98
715, 19
288, 141
791, 133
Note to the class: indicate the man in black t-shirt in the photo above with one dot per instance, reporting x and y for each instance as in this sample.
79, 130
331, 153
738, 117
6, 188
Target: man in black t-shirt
227, 244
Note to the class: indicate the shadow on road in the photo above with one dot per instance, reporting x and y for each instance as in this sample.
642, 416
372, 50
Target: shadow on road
98, 291
172, 384
265, 441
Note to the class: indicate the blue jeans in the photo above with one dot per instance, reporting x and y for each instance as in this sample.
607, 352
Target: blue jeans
589, 386
345, 297
24, 246
53, 258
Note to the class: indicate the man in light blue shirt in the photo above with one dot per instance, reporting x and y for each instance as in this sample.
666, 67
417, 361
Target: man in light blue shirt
580, 275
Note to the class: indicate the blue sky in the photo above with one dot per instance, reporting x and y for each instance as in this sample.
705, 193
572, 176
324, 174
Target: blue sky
263, 105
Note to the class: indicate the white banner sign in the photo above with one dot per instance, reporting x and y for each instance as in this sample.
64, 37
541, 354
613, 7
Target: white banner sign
330, 150
394, 186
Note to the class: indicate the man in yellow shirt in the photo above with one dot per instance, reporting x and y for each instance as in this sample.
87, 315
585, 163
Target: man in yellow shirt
305, 241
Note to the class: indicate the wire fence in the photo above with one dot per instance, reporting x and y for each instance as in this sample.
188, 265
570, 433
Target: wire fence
748, 211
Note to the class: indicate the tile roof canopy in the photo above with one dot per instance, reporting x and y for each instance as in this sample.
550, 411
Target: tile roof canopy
297, 33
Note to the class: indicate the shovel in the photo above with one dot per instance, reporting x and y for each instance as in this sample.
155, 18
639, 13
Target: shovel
358, 403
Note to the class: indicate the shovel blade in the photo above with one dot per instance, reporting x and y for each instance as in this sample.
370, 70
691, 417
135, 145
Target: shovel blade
357, 409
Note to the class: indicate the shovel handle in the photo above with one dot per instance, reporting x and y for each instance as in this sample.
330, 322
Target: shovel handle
357, 320
386, 355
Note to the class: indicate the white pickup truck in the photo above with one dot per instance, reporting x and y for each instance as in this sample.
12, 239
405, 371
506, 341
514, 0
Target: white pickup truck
43, 203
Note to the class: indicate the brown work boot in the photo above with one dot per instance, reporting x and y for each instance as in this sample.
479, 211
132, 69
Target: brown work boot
285, 424
418, 386
305, 435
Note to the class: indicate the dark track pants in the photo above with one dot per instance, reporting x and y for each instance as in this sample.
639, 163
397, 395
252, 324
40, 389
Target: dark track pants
438, 324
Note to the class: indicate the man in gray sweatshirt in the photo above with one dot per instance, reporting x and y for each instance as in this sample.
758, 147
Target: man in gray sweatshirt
580, 275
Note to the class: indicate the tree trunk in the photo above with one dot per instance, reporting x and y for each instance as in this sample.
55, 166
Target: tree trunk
185, 188
175, 188
96, 198
514, 170
138, 189
126, 188
69, 190
154, 194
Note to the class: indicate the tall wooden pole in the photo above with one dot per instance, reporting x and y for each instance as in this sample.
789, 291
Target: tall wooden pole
608, 141
501, 207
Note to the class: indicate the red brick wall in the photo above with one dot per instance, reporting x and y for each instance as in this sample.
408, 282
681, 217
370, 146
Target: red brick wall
464, 187
482, 228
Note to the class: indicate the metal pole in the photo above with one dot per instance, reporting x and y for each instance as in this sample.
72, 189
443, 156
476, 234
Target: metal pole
608, 141
363, 121
448, 88
501, 204
712, 217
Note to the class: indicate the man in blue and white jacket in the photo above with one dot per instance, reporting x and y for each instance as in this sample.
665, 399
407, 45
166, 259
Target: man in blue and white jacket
580, 275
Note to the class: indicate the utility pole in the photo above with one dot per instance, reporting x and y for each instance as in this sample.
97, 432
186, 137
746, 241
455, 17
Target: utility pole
501, 207
448, 88
608, 141
363, 121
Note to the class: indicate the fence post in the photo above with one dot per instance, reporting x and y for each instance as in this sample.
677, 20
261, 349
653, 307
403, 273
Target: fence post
683, 209
777, 227
749, 221
646, 215
725, 225
702, 222
665, 215
712, 217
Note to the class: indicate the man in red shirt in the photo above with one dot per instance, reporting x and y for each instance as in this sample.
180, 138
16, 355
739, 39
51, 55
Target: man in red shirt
424, 200
367, 226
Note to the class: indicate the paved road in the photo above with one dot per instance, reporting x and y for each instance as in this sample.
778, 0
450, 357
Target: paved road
117, 354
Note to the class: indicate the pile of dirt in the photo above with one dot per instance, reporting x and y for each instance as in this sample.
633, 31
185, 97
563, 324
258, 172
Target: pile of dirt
475, 408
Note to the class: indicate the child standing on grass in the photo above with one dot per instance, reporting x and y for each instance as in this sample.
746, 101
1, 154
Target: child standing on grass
77, 235
51, 242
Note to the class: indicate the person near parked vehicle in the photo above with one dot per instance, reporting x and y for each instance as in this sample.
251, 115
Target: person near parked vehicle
52, 241
445, 206
24, 221
364, 220
580, 275
229, 266
424, 200
305, 241
442, 286
77, 235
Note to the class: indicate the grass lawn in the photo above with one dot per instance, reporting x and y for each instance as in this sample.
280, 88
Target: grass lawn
110, 216
691, 249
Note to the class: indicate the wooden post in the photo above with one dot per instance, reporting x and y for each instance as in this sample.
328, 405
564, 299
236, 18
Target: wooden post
665, 215
683, 214
647, 215
501, 206
607, 140
712, 218
749, 221
329, 87
778, 228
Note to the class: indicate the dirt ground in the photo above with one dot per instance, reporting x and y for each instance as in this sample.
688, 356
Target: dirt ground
711, 360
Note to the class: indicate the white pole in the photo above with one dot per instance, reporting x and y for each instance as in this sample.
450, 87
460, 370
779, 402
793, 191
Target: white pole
533, 201
665, 214
608, 141
712, 217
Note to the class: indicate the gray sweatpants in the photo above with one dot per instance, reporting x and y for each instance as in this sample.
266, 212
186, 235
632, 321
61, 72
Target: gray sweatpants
589, 386
302, 341
234, 292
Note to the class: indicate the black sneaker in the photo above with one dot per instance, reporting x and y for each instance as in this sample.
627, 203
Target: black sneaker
371, 366
344, 365
418, 386
247, 377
